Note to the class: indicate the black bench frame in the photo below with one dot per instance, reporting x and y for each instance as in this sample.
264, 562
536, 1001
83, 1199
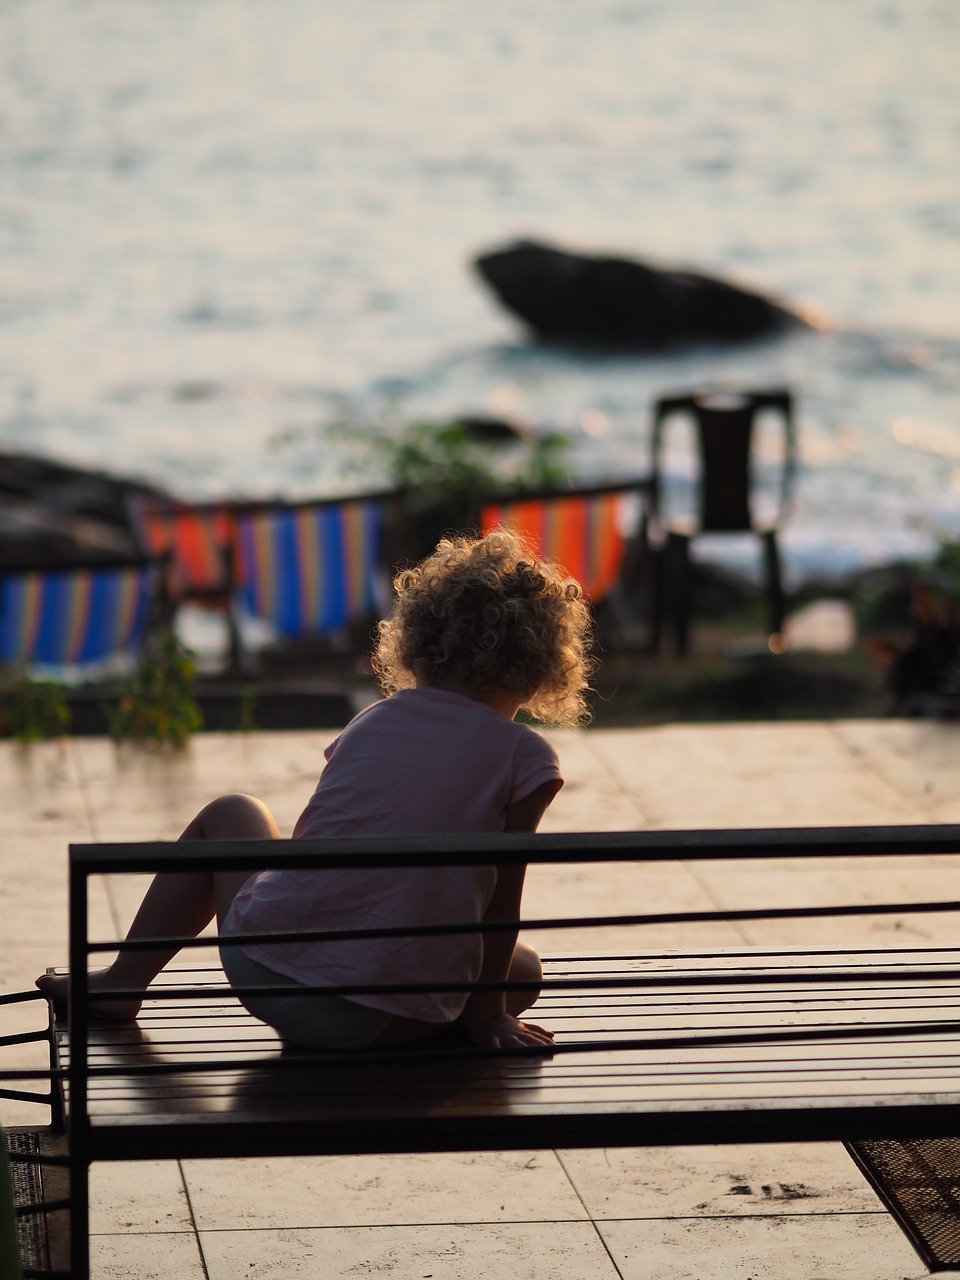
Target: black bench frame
464, 1099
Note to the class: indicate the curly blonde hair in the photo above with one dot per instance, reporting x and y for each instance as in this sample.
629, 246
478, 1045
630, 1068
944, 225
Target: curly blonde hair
488, 613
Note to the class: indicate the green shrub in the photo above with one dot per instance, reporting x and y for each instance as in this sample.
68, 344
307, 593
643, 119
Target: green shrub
441, 471
158, 705
33, 710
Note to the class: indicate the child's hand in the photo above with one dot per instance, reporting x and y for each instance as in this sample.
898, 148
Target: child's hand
507, 1032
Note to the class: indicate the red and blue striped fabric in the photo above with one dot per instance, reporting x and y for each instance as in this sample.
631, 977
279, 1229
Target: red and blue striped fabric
197, 541
311, 569
583, 533
57, 617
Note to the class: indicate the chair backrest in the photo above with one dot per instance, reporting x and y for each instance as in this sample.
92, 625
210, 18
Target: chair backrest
312, 568
76, 615
724, 421
585, 532
198, 541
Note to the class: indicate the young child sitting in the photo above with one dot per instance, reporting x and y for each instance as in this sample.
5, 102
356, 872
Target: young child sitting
480, 629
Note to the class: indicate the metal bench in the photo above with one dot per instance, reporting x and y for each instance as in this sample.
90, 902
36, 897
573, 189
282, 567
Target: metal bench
653, 1047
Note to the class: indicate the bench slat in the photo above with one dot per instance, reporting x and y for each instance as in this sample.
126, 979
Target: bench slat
618, 1078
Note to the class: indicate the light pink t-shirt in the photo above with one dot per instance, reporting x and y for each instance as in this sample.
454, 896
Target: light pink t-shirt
422, 762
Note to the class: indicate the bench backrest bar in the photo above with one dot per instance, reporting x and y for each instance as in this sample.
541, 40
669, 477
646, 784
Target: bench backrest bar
615, 846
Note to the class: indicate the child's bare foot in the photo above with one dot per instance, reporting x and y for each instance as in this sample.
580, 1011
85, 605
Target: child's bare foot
55, 987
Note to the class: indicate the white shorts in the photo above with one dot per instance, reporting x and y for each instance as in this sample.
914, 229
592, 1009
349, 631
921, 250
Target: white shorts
312, 1021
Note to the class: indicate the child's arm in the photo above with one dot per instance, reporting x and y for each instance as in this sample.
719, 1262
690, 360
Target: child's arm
485, 1016
525, 815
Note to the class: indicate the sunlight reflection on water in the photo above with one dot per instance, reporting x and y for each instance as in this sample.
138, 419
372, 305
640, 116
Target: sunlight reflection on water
221, 221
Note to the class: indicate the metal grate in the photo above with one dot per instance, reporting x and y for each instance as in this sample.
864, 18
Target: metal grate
28, 1189
919, 1182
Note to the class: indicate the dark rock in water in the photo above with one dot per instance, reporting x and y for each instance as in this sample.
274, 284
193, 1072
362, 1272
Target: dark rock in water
490, 430
52, 514
570, 297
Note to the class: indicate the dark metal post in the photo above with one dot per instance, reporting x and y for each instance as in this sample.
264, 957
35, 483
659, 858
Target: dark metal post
78, 1076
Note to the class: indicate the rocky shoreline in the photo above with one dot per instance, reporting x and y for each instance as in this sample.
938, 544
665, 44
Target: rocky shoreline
52, 513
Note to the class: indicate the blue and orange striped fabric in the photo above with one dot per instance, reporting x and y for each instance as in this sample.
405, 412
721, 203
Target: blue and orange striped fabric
56, 617
582, 533
197, 541
311, 569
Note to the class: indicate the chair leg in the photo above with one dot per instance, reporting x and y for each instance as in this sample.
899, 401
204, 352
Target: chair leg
678, 588
656, 600
643, 580
774, 581
237, 662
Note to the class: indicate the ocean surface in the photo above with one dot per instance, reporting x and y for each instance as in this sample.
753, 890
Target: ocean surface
227, 224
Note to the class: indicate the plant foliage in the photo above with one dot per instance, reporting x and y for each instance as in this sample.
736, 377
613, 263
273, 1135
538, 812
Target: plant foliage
158, 706
33, 710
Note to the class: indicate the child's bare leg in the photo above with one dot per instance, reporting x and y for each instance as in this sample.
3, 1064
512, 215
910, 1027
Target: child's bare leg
524, 967
177, 904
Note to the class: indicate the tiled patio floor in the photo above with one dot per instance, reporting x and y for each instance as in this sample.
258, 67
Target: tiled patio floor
799, 1212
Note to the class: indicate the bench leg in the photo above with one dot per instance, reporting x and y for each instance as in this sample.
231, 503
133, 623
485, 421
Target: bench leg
79, 1219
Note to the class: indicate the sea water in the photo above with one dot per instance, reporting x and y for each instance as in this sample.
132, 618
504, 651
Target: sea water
227, 225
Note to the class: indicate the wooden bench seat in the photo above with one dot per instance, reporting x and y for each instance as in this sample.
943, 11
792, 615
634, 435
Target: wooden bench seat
851, 1041
653, 1047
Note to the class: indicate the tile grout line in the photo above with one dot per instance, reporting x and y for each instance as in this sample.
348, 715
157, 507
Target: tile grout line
863, 760
193, 1221
693, 871
689, 869
396, 1226
96, 836
88, 806
593, 1221
643, 819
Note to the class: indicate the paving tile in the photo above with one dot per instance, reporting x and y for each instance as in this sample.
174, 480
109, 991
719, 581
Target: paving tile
36, 765
591, 799
695, 1223
20, 963
162, 814
855, 866
802, 1247
836, 798
915, 758
488, 1252
916, 744
724, 776
99, 762
143, 813
211, 761
754, 887
137, 1197
293, 754
664, 750
366, 1190
156, 1256
153, 818
42, 813
604, 889
592, 804
47, 918
126, 892
944, 811
34, 892
718, 1181
151, 795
